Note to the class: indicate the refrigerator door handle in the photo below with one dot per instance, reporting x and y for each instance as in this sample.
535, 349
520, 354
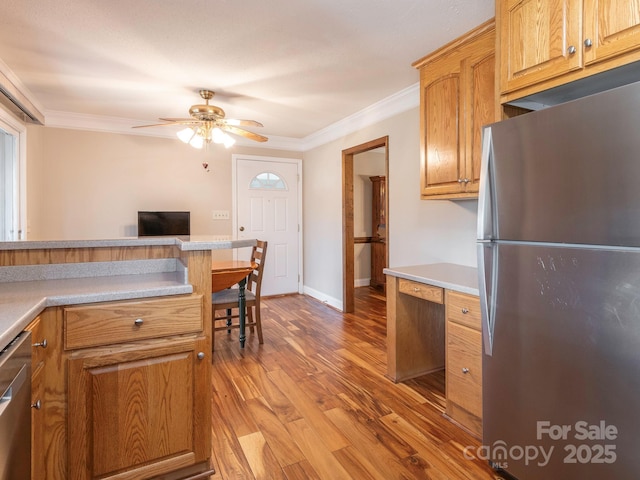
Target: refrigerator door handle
485, 197
486, 282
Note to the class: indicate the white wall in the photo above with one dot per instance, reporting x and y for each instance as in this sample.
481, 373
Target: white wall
418, 231
85, 184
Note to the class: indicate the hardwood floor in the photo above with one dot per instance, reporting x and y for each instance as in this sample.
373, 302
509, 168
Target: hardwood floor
313, 402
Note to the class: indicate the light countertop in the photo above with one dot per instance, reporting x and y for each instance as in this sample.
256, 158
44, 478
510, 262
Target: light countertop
446, 275
193, 242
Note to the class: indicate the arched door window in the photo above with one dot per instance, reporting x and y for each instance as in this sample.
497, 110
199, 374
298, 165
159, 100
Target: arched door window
268, 181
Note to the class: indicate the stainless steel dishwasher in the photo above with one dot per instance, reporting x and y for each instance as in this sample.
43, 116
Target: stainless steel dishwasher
15, 409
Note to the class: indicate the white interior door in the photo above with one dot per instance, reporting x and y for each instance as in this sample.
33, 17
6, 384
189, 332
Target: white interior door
267, 207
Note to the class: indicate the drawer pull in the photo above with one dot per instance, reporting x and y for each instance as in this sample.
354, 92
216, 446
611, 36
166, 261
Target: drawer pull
416, 289
42, 344
200, 355
465, 370
37, 405
465, 311
138, 322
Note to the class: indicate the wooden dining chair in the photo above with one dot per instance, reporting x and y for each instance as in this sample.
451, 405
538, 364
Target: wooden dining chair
227, 300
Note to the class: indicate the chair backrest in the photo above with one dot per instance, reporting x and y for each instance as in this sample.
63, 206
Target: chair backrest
258, 255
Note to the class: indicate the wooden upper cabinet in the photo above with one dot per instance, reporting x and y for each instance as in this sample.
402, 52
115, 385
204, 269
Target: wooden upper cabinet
611, 27
547, 43
457, 97
539, 39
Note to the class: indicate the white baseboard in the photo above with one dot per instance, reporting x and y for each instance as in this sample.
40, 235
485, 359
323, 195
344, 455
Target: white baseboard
362, 282
331, 301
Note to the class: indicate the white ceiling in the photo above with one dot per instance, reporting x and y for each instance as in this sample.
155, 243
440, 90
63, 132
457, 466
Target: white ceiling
297, 66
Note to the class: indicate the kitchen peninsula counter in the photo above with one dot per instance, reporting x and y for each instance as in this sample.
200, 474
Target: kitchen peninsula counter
111, 320
35, 275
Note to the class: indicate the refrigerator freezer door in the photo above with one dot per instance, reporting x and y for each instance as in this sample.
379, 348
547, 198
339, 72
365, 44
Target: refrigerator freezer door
563, 379
569, 173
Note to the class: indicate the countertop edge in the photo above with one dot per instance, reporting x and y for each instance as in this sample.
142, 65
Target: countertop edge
183, 243
459, 278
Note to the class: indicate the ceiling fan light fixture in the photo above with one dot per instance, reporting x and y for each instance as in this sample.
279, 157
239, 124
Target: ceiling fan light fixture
197, 141
229, 141
208, 124
186, 134
217, 135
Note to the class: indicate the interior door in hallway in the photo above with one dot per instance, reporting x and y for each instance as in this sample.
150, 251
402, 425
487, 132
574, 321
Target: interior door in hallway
267, 207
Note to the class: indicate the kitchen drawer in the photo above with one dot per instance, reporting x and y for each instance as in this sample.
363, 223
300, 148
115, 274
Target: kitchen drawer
121, 322
421, 290
464, 368
463, 309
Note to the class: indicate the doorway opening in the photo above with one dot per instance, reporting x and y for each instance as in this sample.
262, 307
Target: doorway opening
348, 267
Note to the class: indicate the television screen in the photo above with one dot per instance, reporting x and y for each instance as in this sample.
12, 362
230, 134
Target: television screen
163, 223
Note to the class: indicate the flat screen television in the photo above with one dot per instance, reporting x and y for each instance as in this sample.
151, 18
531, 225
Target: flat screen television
164, 223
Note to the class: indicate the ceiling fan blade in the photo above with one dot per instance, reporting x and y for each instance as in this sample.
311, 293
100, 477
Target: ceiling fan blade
171, 121
243, 133
241, 123
181, 120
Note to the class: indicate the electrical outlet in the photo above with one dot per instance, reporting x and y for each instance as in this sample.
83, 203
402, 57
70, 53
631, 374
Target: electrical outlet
221, 214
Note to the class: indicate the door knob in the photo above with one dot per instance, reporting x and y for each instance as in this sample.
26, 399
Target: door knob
242, 229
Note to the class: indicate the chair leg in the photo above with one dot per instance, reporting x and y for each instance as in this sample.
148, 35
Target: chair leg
258, 322
228, 320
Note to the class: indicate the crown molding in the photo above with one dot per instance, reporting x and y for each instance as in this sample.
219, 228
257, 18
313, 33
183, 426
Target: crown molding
17, 98
388, 107
399, 102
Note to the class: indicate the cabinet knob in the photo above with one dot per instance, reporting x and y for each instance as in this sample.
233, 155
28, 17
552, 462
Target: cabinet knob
138, 322
466, 180
571, 50
460, 180
37, 405
588, 42
200, 355
465, 370
42, 344
416, 289
465, 310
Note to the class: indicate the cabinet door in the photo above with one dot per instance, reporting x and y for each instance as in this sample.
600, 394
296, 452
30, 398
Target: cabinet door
480, 92
37, 426
611, 27
537, 38
441, 167
139, 410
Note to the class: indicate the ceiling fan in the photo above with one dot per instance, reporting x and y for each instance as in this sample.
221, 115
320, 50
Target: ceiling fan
208, 124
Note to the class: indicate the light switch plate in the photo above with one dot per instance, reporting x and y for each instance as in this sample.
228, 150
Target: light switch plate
221, 214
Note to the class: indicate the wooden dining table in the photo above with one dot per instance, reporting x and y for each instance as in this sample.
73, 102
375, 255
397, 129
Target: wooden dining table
225, 274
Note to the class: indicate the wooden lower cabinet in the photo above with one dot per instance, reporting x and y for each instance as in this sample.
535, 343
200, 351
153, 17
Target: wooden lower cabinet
138, 412
464, 361
37, 390
117, 406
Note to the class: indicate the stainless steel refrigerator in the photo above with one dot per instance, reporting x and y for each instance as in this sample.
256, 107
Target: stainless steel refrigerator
559, 271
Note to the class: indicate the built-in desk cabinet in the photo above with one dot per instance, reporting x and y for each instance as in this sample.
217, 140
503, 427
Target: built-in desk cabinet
123, 391
430, 328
